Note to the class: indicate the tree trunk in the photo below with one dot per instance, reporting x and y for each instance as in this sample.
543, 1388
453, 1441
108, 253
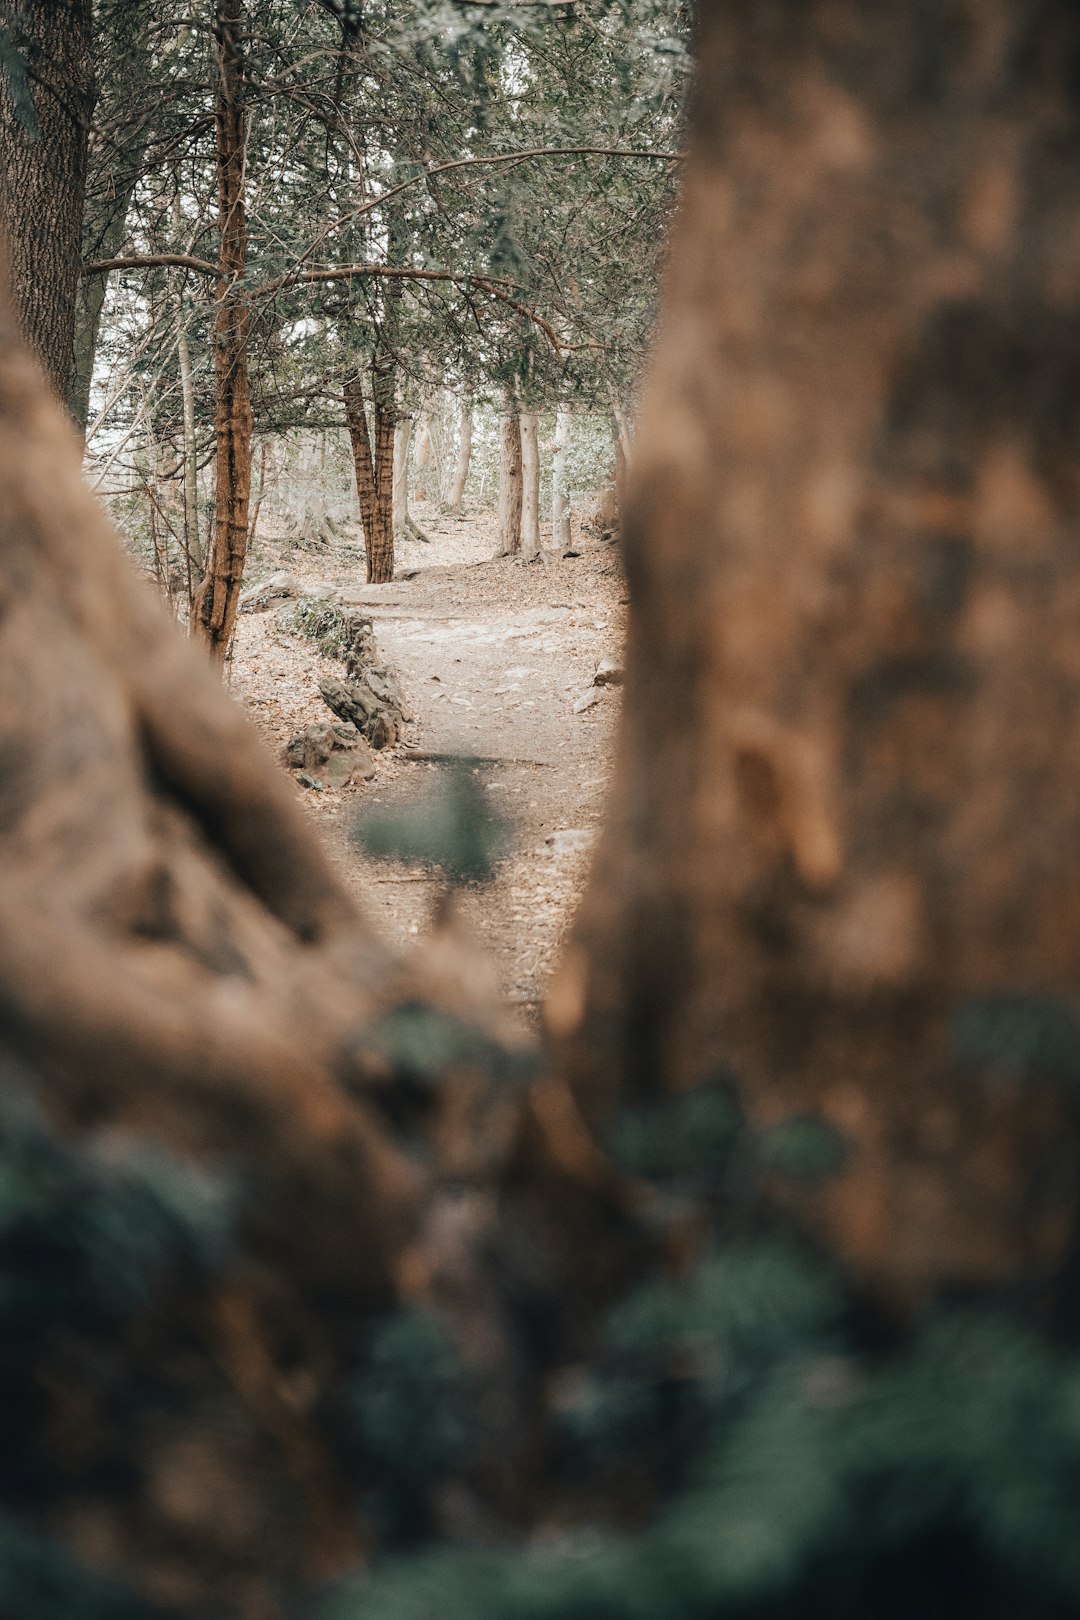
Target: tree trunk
530, 485
381, 547
461, 470
192, 535
848, 794
510, 486
402, 445
363, 465
560, 494
115, 162
216, 604
43, 176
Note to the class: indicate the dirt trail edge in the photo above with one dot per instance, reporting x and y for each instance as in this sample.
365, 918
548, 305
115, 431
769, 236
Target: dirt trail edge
498, 659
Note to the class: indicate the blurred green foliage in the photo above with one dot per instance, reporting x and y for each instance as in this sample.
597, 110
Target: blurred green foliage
452, 827
803, 1461
94, 1231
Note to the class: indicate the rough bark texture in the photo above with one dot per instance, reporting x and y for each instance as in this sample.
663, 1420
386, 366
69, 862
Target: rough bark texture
192, 534
402, 445
179, 962
115, 161
508, 517
214, 614
461, 470
43, 176
363, 464
530, 485
848, 792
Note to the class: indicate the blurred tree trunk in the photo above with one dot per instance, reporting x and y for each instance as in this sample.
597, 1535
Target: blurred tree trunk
461, 470
560, 495
847, 802
530, 485
508, 515
43, 175
214, 616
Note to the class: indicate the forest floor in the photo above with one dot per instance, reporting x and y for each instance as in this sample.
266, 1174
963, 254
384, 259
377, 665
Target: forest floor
493, 654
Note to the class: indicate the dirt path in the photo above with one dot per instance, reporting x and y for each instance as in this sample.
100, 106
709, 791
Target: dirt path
493, 656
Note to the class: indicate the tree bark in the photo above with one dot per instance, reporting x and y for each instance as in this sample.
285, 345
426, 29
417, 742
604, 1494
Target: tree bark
214, 616
192, 532
115, 162
847, 803
381, 550
363, 465
530, 485
510, 485
461, 470
402, 445
560, 494
43, 177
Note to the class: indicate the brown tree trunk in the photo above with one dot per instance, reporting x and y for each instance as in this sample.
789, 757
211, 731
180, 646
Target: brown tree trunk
560, 494
214, 615
510, 485
380, 556
530, 485
43, 176
363, 465
461, 470
122, 48
847, 802
400, 497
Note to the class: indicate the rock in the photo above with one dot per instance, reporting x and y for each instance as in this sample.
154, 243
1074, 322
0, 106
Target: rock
586, 700
609, 672
570, 840
354, 701
329, 755
323, 591
258, 597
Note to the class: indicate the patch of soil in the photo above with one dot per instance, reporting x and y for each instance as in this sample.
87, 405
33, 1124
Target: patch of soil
493, 654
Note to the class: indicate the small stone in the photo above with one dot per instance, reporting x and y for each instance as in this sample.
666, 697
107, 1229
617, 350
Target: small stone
586, 700
256, 598
329, 755
569, 840
609, 672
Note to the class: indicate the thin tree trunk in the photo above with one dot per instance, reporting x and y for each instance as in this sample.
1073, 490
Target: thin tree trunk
363, 463
530, 485
560, 495
219, 594
510, 491
461, 470
402, 444
192, 535
43, 176
264, 450
380, 551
